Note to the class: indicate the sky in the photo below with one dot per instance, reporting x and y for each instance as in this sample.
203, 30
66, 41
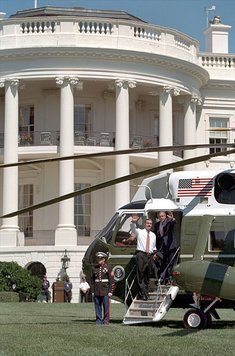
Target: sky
187, 16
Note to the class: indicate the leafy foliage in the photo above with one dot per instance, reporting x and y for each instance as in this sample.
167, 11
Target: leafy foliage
15, 278
9, 297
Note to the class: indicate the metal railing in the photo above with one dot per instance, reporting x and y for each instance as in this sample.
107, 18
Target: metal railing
130, 280
95, 138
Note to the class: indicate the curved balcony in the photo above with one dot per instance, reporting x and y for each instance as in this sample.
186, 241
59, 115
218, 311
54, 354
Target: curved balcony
93, 32
98, 139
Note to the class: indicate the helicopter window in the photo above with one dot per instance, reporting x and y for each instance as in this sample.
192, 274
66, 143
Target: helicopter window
107, 232
123, 231
217, 241
225, 188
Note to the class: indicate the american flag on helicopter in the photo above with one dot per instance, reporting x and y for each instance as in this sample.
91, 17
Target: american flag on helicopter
195, 187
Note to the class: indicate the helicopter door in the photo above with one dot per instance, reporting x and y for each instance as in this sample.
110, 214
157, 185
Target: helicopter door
122, 232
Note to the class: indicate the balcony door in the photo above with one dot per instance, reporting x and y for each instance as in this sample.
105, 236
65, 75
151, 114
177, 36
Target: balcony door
25, 200
82, 211
26, 124
83, 119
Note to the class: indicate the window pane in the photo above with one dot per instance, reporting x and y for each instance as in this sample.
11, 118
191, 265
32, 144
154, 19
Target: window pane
217, 239
218, 137
26, 118
26, 124
82, 211
25, 200
83, 118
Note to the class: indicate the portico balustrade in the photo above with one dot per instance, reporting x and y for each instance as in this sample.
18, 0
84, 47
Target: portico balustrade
102, 139
77, 27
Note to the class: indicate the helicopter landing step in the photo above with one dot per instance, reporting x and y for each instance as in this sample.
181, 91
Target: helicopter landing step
153, 309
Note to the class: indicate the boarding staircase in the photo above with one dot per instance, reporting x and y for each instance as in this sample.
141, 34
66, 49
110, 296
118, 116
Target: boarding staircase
154, 308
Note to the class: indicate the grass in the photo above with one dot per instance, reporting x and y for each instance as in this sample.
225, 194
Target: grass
69, 329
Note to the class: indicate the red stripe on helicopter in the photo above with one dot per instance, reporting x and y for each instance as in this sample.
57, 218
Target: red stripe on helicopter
195, 187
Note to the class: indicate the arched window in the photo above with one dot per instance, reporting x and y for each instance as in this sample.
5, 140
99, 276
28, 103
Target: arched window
37, 269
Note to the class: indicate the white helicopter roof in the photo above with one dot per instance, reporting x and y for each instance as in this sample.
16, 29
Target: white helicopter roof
161, 204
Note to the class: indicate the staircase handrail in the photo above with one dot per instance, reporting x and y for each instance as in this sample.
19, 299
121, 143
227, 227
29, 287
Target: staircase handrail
172, 259
129, 286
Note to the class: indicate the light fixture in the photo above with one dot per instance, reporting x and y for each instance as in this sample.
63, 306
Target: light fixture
65, 260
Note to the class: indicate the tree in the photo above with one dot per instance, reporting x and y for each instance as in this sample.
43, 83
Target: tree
15, 278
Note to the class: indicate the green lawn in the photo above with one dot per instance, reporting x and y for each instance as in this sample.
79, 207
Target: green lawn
69, 329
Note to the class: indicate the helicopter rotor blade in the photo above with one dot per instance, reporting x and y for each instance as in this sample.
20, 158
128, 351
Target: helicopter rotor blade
119, 180
118, 152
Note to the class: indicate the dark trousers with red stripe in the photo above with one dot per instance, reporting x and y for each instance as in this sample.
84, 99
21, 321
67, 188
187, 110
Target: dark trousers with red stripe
102, 309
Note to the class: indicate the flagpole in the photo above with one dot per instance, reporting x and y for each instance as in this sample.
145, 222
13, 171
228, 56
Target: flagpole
207, 9
35, 4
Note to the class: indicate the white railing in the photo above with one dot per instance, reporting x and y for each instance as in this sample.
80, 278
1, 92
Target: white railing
109, 33
209, 60
182, 42
37, 27
94, 27
147, 33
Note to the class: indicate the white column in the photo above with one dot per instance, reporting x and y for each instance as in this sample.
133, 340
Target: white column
66, 234
190, 127
166, 123
122, 166
9, 229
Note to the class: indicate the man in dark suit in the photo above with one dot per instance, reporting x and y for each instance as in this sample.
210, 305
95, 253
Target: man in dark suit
166, 243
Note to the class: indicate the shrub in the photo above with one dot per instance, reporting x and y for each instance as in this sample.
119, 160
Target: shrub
8, 297
17, 279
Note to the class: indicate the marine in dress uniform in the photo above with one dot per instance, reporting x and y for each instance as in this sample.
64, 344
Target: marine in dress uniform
102, 285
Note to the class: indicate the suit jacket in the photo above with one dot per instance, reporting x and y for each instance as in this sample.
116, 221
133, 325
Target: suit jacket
167, 241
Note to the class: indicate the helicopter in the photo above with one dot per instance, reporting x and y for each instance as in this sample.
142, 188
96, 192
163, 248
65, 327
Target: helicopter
203, 205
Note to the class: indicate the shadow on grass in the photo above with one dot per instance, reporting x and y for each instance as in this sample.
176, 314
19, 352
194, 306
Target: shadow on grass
177, 325
181, 331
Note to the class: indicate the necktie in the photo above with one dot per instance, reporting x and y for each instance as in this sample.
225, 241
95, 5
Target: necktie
147, 243
161, 229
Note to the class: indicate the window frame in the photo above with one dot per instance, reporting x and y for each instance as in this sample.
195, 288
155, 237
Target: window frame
219, 137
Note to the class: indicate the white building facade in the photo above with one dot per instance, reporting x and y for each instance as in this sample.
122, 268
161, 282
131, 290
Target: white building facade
74, 81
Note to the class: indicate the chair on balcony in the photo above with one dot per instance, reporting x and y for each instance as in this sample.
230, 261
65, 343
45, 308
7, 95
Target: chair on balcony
91, 141
79, 138
45, 138
104, 139
137, 142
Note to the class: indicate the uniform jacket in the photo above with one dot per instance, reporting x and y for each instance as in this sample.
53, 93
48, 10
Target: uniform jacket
102, 281
167, 241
